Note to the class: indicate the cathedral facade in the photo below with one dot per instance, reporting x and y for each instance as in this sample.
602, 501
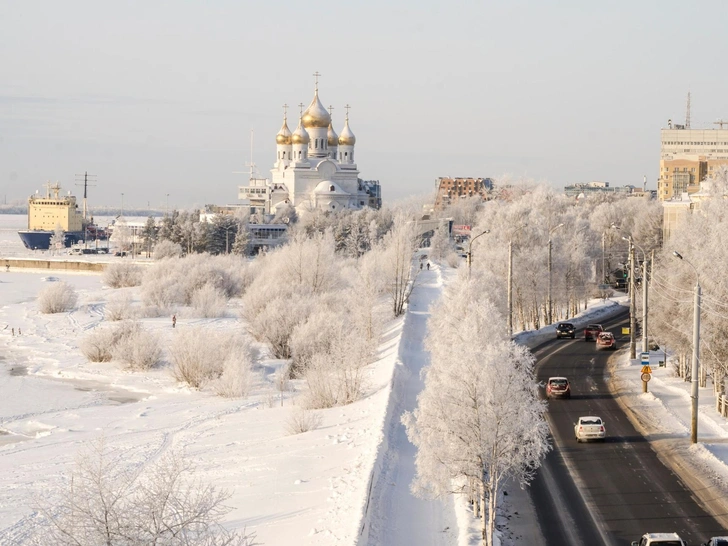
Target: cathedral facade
315, 168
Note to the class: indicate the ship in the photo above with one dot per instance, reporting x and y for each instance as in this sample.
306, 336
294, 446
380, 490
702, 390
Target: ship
58, 215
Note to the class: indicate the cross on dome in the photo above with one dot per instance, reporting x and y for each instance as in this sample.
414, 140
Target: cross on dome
316, 75
347, 107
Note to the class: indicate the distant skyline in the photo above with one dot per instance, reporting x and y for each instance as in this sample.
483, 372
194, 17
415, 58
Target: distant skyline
158, 98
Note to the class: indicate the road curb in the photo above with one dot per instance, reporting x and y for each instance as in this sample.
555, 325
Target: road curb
675, 454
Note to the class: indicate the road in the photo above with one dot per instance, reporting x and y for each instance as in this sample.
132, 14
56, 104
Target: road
605, 493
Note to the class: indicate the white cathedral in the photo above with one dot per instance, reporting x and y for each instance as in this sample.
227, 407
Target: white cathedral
314, 168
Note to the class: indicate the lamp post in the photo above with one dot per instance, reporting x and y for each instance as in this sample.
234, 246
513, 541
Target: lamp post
632, 302
166, 205
696, 355
470, 249
550, 315
122, 205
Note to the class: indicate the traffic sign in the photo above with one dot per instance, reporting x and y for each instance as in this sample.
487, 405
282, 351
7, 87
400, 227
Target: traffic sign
645, 358
625, 331
646, 377
646, 369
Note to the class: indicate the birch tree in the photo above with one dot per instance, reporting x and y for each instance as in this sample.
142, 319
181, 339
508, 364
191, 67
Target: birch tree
478, 421
399, 246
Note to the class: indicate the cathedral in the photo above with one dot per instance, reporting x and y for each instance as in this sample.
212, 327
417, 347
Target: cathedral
314, 167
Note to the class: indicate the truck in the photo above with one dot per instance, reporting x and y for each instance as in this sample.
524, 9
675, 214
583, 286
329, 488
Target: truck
592, 331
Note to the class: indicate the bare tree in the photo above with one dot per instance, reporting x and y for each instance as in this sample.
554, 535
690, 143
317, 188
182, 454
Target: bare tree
109, 502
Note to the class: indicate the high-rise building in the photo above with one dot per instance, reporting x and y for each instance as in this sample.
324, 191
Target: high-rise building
687, 157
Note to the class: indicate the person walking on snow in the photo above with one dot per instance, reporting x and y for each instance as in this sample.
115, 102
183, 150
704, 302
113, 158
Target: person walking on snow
428, 266
174, 321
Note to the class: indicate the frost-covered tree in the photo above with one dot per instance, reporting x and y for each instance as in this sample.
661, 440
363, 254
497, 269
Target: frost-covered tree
478, 420
149, 235
112, 502
700, 239
398, 249
58, 239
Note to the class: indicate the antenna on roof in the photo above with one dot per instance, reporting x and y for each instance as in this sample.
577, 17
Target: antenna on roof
721, 123
687, 113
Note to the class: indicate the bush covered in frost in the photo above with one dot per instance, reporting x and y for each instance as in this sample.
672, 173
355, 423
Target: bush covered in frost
58, 297
126, 342
200, 356
167, 249
122, 274
119, 307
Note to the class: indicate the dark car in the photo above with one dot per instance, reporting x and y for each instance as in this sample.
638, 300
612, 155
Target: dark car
565, 329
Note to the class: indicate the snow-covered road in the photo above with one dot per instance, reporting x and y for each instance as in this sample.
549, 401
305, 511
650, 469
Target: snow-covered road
396, 516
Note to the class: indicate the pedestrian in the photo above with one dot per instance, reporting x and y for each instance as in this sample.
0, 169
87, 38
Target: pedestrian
420, 266
13, 332
19, 332
174, 321
428, 266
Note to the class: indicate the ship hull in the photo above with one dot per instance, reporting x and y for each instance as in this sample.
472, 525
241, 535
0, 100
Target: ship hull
41, 239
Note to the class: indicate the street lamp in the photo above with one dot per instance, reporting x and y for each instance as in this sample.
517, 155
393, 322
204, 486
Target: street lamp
166, 206
550, 316
696, 354
470, 250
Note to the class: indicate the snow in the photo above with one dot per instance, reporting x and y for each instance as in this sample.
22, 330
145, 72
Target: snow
309, 489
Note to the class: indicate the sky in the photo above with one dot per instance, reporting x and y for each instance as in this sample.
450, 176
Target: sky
158, 100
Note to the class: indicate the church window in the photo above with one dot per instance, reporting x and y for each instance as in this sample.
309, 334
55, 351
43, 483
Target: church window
316, 143
332, 188
346, 154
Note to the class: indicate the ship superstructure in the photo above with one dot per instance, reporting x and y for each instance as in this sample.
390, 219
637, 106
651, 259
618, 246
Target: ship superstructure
55, 212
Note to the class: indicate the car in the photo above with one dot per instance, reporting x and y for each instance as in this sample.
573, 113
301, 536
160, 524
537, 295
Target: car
605, 340
558, 387
50, 279
717, 541
592, 331
661, 539
589, 427
565, 329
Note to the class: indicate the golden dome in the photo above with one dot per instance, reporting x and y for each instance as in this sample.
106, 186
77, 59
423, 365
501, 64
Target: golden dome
300, 136
347, 138
284, 135
316, 115
332, 136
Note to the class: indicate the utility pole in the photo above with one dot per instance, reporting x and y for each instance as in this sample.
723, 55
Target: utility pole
510, 288
632, 304
695, 369
85, 185
550, 314
645, 344
166, 206
604, 240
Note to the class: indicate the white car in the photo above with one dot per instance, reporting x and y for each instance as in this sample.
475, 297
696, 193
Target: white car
717, 541
660, 539
589, 428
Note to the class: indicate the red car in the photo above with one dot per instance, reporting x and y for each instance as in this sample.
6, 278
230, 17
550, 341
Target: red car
606, 340
558, 387
592, 331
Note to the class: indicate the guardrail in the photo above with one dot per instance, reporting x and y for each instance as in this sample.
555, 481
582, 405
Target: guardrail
61, 265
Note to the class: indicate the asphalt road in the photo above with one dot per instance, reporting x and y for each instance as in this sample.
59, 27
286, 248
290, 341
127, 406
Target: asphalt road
606, 493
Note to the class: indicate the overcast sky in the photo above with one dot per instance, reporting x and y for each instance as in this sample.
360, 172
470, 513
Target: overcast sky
159, 98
